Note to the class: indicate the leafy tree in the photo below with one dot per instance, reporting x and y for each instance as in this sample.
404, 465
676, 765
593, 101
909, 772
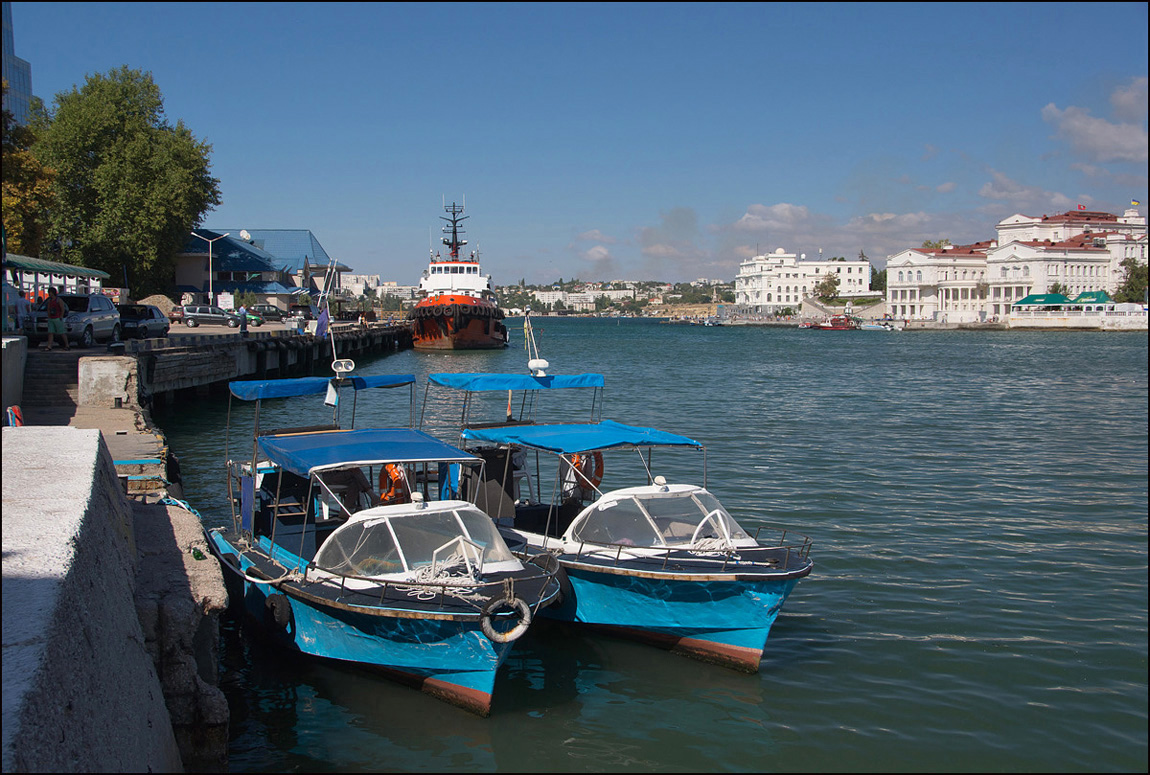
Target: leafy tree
935, 244
27, 188
1058, 288
1133, 287
129, 185
828, 287
878, 280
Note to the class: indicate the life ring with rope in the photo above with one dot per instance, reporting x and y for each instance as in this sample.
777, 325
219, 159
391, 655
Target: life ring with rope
589, 467
521, 610
393, 485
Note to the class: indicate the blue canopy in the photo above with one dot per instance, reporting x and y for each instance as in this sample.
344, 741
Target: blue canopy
484, 382
305, 453
579, 437
255, 389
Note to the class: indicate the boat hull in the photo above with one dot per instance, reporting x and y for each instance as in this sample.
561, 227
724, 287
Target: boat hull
447, 657
455, 322
724, 622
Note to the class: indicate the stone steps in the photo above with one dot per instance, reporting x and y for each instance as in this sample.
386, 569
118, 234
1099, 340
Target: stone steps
52, 378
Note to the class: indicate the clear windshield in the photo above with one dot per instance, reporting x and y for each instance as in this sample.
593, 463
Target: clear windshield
366, 547
657, 519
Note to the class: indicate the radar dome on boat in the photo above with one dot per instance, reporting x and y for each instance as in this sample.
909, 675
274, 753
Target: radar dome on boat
538, 367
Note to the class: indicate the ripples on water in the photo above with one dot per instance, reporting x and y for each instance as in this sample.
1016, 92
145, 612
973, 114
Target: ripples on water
978, 503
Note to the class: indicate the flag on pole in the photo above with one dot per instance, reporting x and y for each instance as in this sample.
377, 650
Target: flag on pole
332, 397
1134, 203
321, 324
1081, 207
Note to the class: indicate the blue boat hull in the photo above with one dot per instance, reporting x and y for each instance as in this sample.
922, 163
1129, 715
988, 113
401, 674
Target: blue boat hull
450, 658
724, 622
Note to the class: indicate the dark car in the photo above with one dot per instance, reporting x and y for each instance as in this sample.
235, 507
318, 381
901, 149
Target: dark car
267, 311
91, 316
142, 321
206, 315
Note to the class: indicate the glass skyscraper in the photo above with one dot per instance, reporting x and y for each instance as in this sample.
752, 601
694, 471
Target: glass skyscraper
18, 74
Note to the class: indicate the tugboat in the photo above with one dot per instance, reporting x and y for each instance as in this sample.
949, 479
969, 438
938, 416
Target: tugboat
458, 310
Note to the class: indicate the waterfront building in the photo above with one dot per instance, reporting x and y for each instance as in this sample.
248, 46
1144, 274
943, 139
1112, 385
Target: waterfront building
1073, 252
232, 265
18, 74
768, 284
947, 283
36, 275
300, 257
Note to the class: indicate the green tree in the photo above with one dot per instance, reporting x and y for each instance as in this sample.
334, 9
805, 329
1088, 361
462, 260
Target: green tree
1133, 286
27, 188
129, 185
878, 280
1058, 288
937, 244
828, 287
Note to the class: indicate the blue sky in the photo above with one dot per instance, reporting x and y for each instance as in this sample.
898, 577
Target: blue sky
619, 141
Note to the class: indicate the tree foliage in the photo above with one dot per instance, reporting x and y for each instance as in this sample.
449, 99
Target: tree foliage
936, 244
828, 287
129, 185
878, 280
27, 188
1133, 287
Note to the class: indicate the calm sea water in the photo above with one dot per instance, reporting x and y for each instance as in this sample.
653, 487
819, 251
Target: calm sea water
978, 503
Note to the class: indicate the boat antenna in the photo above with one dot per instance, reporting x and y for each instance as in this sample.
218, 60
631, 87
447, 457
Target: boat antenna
454, 219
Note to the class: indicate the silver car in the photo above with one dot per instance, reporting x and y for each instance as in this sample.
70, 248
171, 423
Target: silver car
91, 316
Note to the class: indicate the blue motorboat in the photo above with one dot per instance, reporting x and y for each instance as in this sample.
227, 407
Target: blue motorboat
663, 562
352, 544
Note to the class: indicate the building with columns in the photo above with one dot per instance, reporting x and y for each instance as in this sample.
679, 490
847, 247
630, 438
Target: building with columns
1073, 252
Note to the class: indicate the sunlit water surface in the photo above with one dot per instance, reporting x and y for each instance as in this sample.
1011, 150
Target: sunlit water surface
978, 503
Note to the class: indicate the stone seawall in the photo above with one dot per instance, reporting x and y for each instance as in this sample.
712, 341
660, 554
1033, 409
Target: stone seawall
80, 689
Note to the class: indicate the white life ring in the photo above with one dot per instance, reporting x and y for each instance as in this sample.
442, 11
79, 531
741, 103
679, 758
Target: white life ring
522, 610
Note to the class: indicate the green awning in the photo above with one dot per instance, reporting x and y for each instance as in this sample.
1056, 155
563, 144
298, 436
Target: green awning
1093, 297
1042, 300
29, 264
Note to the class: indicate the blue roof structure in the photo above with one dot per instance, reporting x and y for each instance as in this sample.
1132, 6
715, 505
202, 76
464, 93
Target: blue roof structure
306, 453
482, 382
291, 249
230, 254
579, 437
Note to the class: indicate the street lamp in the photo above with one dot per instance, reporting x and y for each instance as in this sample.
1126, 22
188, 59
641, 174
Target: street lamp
211, 294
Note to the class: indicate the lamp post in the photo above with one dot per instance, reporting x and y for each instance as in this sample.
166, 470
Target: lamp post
211, 293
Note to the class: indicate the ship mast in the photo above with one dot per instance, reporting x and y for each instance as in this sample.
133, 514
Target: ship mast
454, 243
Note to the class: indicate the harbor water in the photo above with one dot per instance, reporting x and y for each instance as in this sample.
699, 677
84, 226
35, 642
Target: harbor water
978, 505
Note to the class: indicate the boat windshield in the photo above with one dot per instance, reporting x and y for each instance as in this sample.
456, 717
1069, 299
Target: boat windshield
657, 519
371, 547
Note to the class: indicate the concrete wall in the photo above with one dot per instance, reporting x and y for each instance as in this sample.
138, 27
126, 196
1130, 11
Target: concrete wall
15, 359
80, 690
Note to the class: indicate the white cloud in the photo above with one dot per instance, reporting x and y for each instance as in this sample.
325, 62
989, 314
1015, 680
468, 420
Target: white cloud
596, 236
1130, 101
1098, 139
1027, 199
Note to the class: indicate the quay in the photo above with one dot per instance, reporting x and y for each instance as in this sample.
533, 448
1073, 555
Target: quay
111, 600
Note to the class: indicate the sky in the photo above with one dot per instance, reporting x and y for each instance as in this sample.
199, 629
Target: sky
649, 141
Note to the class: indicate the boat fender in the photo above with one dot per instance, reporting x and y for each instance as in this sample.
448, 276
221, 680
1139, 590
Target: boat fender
551, 564
449, 311
521, 609
438, 310
280, 609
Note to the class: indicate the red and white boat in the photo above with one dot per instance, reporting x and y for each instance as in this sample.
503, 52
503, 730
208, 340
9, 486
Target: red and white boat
837, 323
458, 310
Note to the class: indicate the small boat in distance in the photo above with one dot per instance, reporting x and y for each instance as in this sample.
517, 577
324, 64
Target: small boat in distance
837, 323
458, 310
405, 578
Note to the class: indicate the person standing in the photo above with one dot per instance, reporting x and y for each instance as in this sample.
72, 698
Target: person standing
57, 311
23, 312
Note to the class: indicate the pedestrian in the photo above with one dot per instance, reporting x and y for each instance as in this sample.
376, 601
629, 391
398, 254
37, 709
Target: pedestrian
23, 312
243, 313
57, 311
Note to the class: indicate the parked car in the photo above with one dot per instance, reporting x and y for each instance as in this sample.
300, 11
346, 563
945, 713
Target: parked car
143, 320
205, 315
176, 315
268, 312
253, 318
91, 316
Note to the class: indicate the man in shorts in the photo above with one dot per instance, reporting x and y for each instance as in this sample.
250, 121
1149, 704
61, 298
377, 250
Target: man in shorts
57, 311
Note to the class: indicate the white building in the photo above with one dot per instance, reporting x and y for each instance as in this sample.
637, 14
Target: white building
769, 284
1073, 252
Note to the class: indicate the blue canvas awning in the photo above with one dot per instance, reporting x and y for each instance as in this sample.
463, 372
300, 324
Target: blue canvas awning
306, 453
256, 389
491, 382
579, 437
